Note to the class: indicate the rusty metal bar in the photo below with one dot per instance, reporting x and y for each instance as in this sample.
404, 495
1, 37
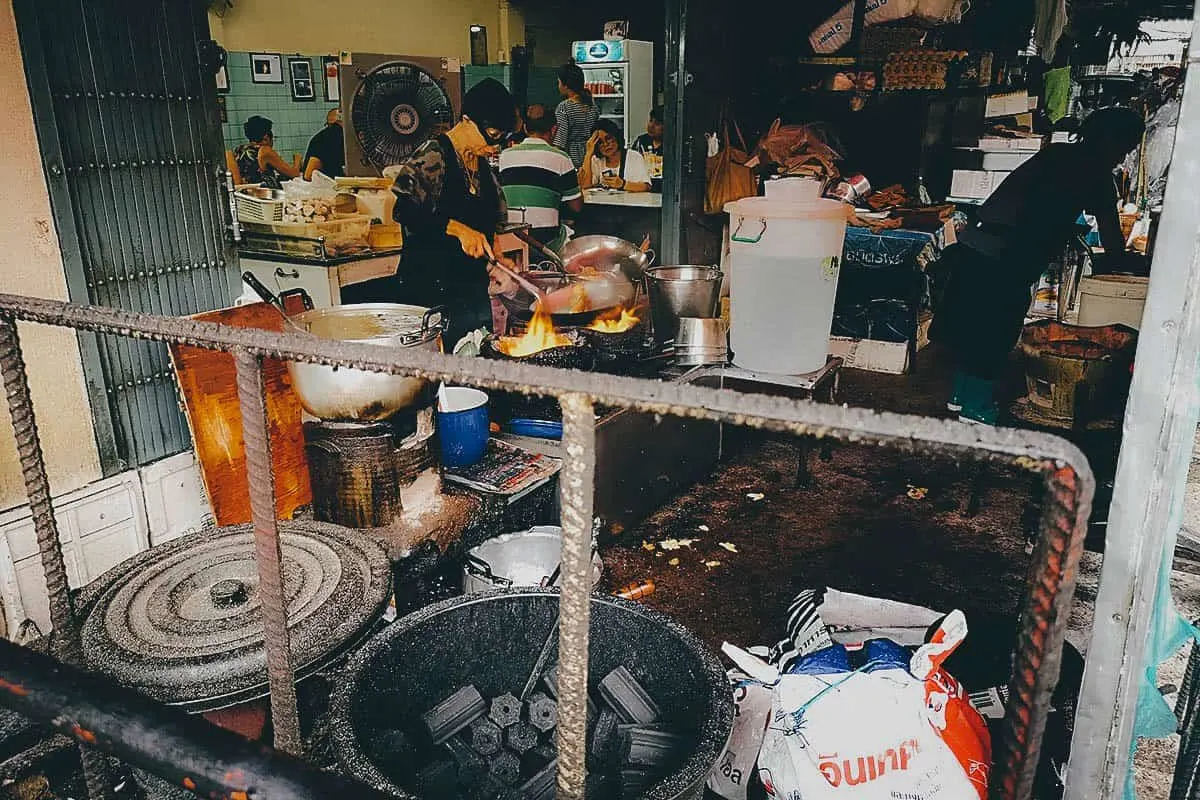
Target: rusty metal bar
577, 491
285, 715
182, 748
1052, 569
64, 639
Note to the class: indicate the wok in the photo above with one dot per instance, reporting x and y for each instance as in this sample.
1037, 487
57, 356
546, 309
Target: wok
615, 292
606, 254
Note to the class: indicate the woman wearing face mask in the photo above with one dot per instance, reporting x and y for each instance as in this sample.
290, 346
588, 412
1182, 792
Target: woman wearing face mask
449, 201
609, 164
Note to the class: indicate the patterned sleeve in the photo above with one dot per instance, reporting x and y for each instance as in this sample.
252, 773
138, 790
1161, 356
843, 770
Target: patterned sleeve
418, 189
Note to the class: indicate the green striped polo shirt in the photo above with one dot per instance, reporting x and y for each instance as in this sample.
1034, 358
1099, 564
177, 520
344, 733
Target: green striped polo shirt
537, 178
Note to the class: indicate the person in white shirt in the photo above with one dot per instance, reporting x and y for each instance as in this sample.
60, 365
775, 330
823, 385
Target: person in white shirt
608, 163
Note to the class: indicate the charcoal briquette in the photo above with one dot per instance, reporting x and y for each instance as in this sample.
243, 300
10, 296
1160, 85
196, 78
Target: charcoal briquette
521, 737
542, 785
506, 710
627, 697
454, 713
543, 712
505, 768
485, 737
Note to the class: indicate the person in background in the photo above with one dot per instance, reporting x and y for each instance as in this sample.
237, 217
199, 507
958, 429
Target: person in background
609, 164
327, 149
449, 201
538, 179
650, 145
576, 115
257, 160
1027, 221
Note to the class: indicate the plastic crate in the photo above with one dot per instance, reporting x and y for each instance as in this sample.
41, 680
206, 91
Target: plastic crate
255, 209
342, 234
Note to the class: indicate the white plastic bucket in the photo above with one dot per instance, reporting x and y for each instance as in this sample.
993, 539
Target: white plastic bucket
786, 257
1112, 300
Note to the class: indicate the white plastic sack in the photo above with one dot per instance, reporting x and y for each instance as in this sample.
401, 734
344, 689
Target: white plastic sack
751, 712
321, 187
896, 731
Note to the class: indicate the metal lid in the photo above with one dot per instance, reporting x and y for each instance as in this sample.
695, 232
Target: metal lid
182, 623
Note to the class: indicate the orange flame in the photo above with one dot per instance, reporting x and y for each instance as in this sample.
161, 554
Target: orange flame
539, 335
618, 321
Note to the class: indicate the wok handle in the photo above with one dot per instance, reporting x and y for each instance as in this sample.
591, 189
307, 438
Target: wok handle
481, 569
261, 290
550, 255
438, 311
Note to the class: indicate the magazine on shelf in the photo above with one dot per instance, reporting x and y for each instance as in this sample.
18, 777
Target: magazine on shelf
506, 469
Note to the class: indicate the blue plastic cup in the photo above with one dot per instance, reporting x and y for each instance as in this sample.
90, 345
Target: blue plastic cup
463, 427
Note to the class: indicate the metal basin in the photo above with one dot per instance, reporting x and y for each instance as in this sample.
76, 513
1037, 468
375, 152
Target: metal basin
524, 558
606, 254
338, 393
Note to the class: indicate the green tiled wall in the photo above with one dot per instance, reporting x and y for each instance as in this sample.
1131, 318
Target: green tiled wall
295, 121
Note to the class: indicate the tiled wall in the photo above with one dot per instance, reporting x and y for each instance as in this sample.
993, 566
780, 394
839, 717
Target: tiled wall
295, 121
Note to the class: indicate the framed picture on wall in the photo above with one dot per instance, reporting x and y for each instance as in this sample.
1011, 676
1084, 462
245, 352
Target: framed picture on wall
301, 72
333, 90
222, 80
266, 68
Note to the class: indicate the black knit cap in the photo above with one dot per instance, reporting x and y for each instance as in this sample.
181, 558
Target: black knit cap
489, 105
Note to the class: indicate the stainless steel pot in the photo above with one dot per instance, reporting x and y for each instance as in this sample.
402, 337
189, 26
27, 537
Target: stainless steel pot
606, 254
525, 558
338, 393
683, 291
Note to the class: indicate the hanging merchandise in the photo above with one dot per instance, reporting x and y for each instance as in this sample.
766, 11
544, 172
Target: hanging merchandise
834, 33
727, 175
942, 12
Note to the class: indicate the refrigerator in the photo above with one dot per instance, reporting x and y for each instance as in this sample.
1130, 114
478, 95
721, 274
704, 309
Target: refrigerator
620, 75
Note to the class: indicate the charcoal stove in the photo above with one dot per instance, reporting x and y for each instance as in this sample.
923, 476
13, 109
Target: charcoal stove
182, 622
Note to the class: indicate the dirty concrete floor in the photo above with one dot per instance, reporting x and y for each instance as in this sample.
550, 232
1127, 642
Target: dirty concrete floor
869, 521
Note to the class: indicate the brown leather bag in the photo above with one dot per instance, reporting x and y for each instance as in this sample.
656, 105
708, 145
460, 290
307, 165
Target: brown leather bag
728, 177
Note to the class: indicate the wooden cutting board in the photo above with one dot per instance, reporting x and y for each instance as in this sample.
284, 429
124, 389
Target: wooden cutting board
208, 383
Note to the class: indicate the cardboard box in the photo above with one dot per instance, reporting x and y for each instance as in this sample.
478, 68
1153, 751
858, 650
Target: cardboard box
1006, 162
1006, 144
871, 355
1007, 105
975, 184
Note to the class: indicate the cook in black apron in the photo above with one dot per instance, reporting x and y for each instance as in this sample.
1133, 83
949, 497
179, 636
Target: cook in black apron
1026, 221
449, 201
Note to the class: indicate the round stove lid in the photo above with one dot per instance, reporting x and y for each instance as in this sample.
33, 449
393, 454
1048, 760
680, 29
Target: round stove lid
182, 621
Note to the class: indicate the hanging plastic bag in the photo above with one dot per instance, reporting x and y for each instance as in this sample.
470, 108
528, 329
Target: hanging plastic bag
834, 33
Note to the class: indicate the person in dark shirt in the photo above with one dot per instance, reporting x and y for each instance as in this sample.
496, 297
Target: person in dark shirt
327, 149
257, 160
650, 145
448, 199
1028, 220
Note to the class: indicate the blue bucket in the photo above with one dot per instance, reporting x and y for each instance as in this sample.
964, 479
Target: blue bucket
463, 427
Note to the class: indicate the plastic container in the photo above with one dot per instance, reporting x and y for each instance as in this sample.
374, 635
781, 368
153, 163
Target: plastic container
1112, 300
784, 258
463, 427
794, 189
525, 558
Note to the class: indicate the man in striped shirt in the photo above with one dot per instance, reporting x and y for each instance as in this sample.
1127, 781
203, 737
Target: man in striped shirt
538, 178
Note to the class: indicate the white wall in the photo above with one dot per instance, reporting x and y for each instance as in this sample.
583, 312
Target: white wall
31, 263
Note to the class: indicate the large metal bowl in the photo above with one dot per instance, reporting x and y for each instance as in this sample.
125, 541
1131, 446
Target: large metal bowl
339, 393
605, 254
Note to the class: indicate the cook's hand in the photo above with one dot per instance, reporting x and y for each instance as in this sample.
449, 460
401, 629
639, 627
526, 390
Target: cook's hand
501, 282
474, 243
612, 182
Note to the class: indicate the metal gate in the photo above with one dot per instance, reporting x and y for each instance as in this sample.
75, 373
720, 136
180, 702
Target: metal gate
125, 106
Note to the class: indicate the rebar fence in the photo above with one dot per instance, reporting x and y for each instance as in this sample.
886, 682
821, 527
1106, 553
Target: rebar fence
1053, 568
